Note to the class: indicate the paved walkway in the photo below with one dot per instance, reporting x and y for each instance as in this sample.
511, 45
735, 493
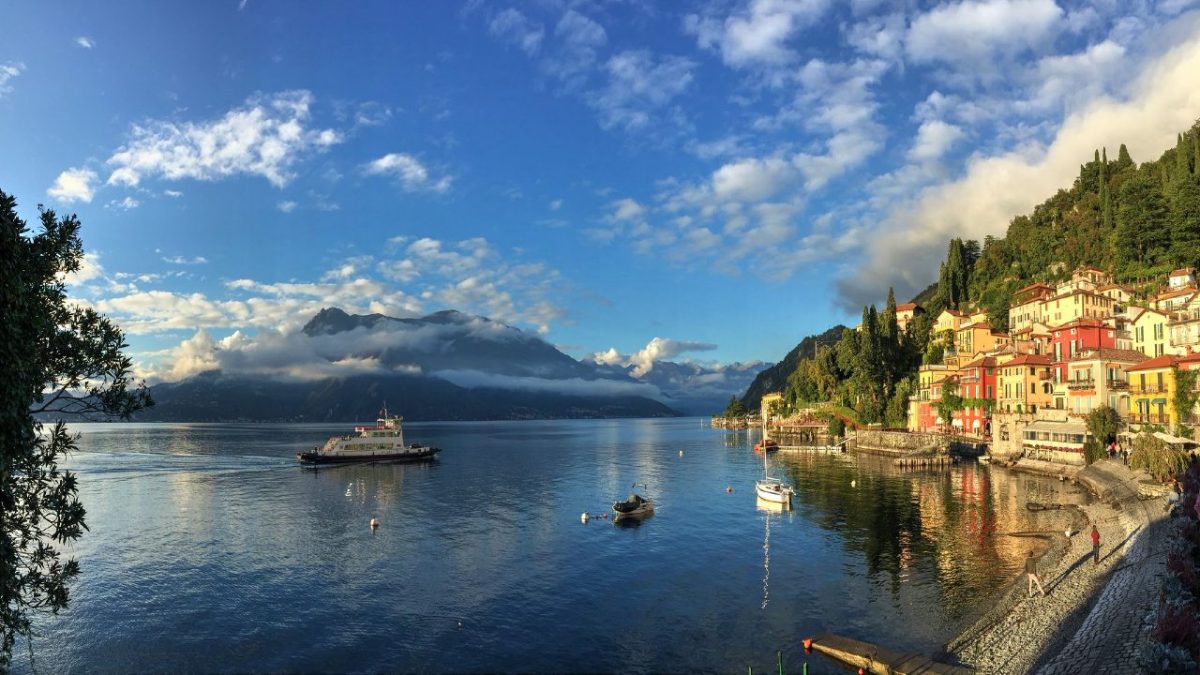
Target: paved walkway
1122, 618
1084, 625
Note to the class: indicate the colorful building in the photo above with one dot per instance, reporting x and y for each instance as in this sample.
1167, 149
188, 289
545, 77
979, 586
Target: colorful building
1150, 331
907, 313
1025, 383
1151, 384
922, 406
1182, 278
977, 382
1026, 306
1081, 334
1097, 377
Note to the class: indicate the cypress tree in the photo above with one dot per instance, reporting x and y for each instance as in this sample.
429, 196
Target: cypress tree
1124, 161
1184, 199
1106, 214
1182, 158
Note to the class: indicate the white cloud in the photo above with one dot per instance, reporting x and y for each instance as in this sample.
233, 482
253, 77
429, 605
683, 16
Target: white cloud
265, 137
74, 185
658, 349
759, 33
408, 171
555, 205
85, 42
173, 194
578, 41
287, 206
1071, 79
516, 28
976, 30
124, 204
7, 72
626, 209
934, 139
639, 83
752, 180
180, 260
89, 269
904, 249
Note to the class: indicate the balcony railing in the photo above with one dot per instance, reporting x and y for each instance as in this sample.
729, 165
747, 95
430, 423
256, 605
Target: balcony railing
1077, 385
1135, 418
1118, 385
1148, 389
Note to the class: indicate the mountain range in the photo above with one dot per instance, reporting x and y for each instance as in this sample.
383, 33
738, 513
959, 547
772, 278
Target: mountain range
444, 366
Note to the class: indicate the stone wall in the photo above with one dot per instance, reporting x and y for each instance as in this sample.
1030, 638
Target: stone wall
898, 442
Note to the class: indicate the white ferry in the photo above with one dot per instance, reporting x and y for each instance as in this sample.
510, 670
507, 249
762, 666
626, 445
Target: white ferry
379, 443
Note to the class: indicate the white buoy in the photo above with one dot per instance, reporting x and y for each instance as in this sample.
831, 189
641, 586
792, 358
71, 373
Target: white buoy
853, 483
374, 523
681, 453
583, 517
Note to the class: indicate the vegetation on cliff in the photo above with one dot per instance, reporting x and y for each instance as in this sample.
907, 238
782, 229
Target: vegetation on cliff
1137, 221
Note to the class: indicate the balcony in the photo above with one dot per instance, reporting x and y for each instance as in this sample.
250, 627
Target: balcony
1045, 376
1135, 418
1148, 389
1121, 385
1080, 385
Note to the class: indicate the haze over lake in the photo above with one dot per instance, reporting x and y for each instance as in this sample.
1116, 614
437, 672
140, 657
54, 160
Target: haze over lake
211, 550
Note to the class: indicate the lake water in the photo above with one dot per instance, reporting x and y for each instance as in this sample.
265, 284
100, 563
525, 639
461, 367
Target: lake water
211, 550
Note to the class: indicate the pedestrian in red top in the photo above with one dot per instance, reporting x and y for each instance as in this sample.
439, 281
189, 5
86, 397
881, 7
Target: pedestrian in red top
1095, 545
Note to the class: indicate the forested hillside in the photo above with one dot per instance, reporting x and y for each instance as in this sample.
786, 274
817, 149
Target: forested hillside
1137, 221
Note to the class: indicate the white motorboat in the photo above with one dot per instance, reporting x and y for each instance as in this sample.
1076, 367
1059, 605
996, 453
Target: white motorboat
379, 443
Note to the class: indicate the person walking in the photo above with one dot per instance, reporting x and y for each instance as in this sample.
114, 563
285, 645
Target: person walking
1032, 575
1095, 545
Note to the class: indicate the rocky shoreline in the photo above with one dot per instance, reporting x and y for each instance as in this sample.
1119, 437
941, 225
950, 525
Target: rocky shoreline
1094, 617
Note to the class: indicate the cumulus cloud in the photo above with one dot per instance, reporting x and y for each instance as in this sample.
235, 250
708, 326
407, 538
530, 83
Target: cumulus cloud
757, 33
287, 206
74, 185
976, 30
408, 171
658, 349
264, 137
934, 139
903, 251
125, 204
85, 42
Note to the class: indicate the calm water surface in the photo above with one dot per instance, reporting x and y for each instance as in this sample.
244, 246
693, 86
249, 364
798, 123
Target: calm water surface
211, 550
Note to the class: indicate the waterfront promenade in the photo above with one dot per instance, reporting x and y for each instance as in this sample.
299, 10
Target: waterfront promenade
1094, 619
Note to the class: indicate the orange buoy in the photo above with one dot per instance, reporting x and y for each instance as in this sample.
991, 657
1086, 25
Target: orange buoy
807, 645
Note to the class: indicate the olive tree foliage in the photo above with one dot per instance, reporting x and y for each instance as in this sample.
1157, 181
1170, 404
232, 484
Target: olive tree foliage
59, 360
1154, 455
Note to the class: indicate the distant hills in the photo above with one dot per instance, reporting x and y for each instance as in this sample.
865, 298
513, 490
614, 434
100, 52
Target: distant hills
775, 378
446, 366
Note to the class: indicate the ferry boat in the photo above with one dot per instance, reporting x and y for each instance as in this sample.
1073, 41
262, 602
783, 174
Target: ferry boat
383, 442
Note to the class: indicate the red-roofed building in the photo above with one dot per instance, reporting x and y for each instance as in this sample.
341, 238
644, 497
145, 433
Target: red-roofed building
907, 313
1025, 383
977, 382
1082, 334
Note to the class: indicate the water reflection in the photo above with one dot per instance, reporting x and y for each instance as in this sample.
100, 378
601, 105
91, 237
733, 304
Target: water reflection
211, 550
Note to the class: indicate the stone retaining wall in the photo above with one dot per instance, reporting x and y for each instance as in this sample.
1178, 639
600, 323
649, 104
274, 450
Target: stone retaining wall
898, 442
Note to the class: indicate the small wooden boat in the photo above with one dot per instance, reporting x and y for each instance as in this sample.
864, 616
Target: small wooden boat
766, 445
636, 506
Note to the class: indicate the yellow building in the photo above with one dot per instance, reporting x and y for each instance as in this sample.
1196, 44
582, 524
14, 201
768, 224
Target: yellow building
1151, 384
1079, 303
1025, 384
769, 408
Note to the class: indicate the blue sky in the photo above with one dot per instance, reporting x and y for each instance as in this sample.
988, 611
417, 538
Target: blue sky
726, 176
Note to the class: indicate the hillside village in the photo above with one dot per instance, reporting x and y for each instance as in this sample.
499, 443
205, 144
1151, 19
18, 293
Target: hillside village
1070, 348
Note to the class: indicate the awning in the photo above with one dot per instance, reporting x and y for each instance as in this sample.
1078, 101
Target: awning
1173, 440
1057, 427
